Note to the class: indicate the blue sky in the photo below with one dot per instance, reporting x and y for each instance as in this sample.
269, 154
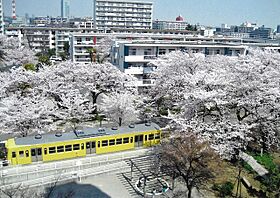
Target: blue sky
206, 12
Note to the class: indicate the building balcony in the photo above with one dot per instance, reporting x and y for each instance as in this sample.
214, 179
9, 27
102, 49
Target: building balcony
137, 59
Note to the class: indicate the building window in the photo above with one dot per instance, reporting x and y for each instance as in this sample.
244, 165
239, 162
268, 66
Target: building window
162, 51
147, 52
132, 52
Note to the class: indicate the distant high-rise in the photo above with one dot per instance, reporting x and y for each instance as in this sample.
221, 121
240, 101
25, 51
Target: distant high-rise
278, 29
1, 18
123, 14
65, 9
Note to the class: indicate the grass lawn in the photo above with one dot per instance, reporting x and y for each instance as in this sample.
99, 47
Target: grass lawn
276, 157
230, 173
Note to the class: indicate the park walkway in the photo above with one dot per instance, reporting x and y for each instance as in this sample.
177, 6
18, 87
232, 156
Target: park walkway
261, 171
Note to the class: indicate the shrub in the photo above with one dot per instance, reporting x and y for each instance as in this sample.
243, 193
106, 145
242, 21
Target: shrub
224, 189
29, 66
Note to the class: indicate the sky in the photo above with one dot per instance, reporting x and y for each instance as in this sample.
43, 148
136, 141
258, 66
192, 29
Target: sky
204, 12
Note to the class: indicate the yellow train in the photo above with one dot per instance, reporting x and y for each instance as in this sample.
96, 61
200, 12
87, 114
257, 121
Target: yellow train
49, 147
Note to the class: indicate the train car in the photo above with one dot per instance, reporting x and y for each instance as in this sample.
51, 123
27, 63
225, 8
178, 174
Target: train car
79, 143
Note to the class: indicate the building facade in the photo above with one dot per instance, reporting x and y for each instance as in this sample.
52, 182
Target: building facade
278, 29
122, 14
65, 9
133, 57
178, 24
1, 18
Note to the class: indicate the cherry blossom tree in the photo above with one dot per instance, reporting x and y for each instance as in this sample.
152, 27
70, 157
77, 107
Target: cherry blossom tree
15, 54
122, 108
229, 101
66, 93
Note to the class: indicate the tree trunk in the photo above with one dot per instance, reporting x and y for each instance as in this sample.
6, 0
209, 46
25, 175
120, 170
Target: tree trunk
189, 192
120, 121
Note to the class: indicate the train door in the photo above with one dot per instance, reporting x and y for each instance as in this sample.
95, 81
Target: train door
36, 154
91, 147
138, 140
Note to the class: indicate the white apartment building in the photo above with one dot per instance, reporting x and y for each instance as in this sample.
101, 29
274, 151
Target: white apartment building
133, 57
45, 38
1, 18
122, 14
80, 43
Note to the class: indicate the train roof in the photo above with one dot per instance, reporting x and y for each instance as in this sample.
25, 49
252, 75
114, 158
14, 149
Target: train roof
85, 132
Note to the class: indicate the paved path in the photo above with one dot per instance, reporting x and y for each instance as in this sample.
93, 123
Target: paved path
254, 164
44, 173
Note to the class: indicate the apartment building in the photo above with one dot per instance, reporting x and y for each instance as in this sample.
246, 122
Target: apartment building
122, 14
1, 18
178, 24
133, 57
80, 43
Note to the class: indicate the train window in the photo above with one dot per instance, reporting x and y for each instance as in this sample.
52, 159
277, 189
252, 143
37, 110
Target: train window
21, 153
51, 150
76, 147
151, 136
68, 148
104, 143
14, 154
33, 152
125, 140
111, 142
39, 151
87, 145
119, 141
93, 145
82, 146
60, 149
157, 136
131, 139
145, 137
46, 151
27, 153
98, 144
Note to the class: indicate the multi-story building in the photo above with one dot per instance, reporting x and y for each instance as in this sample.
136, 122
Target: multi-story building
278, 29
122, 14
133, 57
65, 9
1, 18
80, 43
261, 33
179, 24
45, 38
